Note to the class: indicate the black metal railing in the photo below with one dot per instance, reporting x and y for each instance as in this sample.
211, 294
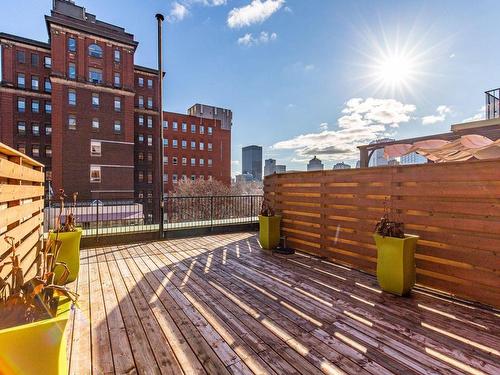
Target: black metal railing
110, 217
492, 104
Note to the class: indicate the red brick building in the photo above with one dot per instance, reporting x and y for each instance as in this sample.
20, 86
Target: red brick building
80, 106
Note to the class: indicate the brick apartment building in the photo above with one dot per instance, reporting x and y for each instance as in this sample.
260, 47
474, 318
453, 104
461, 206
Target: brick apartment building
79, 105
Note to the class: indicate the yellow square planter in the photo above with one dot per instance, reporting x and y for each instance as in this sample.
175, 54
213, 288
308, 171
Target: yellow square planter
269, 233
36, 348
396, 263
69, 253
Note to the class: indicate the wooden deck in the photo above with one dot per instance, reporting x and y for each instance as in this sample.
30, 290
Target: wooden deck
219, 305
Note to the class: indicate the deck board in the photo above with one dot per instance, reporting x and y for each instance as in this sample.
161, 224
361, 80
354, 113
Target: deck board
219, 304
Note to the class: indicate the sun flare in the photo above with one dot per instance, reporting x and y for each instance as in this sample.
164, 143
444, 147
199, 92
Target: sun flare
395, 70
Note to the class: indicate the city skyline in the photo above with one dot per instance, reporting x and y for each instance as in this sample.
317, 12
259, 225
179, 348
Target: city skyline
342, 85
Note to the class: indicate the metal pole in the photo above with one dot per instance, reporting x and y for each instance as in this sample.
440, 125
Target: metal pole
160, 18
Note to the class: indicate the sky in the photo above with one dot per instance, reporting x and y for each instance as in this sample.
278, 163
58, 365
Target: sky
315, 77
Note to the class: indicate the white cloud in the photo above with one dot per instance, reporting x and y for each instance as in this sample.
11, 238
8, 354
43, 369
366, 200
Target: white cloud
452, 56
441, 112
478, 116
178, 12
256, 12
364, 120
211, 3
264, 37
323, 126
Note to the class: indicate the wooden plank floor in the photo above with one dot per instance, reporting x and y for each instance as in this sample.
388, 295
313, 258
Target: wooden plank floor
219, 305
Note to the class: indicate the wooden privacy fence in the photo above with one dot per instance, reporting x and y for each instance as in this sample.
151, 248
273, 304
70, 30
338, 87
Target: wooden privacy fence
453, 207
21, 205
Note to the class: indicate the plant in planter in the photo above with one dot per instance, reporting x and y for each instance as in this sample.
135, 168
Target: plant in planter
33, 315
269, 224
69, 235
395, 256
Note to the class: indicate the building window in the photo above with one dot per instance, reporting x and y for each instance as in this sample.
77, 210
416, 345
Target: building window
72, 122
21, 128
71, 44
175, 127
35, 59
174, 143
150, 140
95, 174
150, 102
117, 80
34, 83
193, 128
117, 56
140, 156
202, 162
184, 177
209, 177
174, 178
35, 105
95, 124
165, 177
140, 138
48, 151
47, 61
209, 162
184, 127
95, 148
48, 107
150, 122
165, 142
202, 129
21, 80
95, 51
209, 145
21, 147
184, 144
21, 105
150, 177
95, 75
140, 194
193, 177
150, 83
165, 124
174, 160
35, 150
140, 176
202, 177
118, 127
202, 146
193, 162
35, 130
47, 85
95, 100
184, 161
48, 129
118, 104
72, 71
72, 97
165, 160
150, 156
141, 120
193, 145
140, 81
209, 130
21, 57
141, 101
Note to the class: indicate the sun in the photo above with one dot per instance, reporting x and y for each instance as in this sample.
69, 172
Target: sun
395, 70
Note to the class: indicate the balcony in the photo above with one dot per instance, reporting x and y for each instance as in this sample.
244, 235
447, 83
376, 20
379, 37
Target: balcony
492, 104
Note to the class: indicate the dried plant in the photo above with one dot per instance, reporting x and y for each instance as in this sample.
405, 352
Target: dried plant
28, 301
70, 223
387, 227
266, 209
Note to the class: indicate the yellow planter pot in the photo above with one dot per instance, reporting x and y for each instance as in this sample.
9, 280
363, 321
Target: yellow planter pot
269, 234
69, 253
396, 263
36, 348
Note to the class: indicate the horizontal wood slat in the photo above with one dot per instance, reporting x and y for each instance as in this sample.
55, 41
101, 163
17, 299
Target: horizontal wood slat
453, 207
21, 205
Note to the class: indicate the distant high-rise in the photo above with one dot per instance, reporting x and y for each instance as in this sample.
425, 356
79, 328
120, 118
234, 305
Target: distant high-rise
315, 165
341, 165
252, 161
413, 158
378, 159
271, 167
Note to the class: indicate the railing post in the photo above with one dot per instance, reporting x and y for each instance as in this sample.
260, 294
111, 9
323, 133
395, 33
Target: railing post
97, 222
211, 212
251, 208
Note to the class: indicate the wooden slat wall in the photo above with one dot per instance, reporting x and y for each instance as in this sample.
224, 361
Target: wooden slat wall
21, 208
453, 207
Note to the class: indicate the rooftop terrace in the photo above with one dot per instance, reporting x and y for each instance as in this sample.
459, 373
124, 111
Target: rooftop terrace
220, 304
